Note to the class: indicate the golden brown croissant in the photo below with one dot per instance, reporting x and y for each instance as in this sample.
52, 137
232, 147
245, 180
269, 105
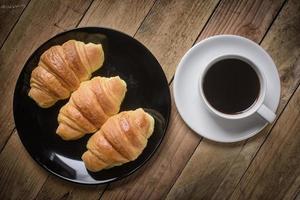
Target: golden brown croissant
90, 106
61, 69
121, 139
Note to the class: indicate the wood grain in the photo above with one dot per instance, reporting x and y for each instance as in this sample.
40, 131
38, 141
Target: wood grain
55, 188
249, 19
226, 164
157, 178
275, 169
20, 176
124, 16
10, 12
171, 28
294, 191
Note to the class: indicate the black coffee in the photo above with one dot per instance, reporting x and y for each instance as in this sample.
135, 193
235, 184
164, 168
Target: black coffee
231, 86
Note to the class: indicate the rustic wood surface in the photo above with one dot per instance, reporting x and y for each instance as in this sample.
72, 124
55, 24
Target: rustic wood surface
185, 166
10, 12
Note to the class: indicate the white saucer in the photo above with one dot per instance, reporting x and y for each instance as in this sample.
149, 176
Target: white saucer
191, 106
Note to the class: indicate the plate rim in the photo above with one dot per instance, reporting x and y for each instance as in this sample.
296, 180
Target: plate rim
143, 163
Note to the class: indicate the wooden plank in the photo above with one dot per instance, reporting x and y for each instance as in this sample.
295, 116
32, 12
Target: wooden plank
249, 19
10, 11
294, 191
20, 176
171, 29
275, 169
226, 163
156, 179
55, 188
124, 16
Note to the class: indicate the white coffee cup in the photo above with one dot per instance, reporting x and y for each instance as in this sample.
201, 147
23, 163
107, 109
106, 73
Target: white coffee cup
257, 107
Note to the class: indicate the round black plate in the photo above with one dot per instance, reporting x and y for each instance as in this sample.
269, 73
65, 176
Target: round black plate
147, 88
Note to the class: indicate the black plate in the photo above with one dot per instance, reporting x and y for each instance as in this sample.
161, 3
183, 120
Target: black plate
147, 88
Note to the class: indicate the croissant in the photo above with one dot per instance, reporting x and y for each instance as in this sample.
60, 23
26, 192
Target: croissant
61, 69
121, 139
90, 106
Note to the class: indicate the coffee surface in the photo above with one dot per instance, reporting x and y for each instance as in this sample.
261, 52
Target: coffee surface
231, 86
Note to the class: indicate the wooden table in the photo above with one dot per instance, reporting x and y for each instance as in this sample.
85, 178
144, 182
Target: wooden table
186, 166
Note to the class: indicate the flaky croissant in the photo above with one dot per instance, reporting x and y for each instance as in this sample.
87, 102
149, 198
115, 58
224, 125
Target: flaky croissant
90, 106
61, 69
121, 139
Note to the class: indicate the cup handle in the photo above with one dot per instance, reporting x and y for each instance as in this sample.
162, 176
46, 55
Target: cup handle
266, 113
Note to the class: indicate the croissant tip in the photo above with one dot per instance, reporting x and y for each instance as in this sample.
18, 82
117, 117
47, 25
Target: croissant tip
118, 77
95, 55
39, 103
140, 109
